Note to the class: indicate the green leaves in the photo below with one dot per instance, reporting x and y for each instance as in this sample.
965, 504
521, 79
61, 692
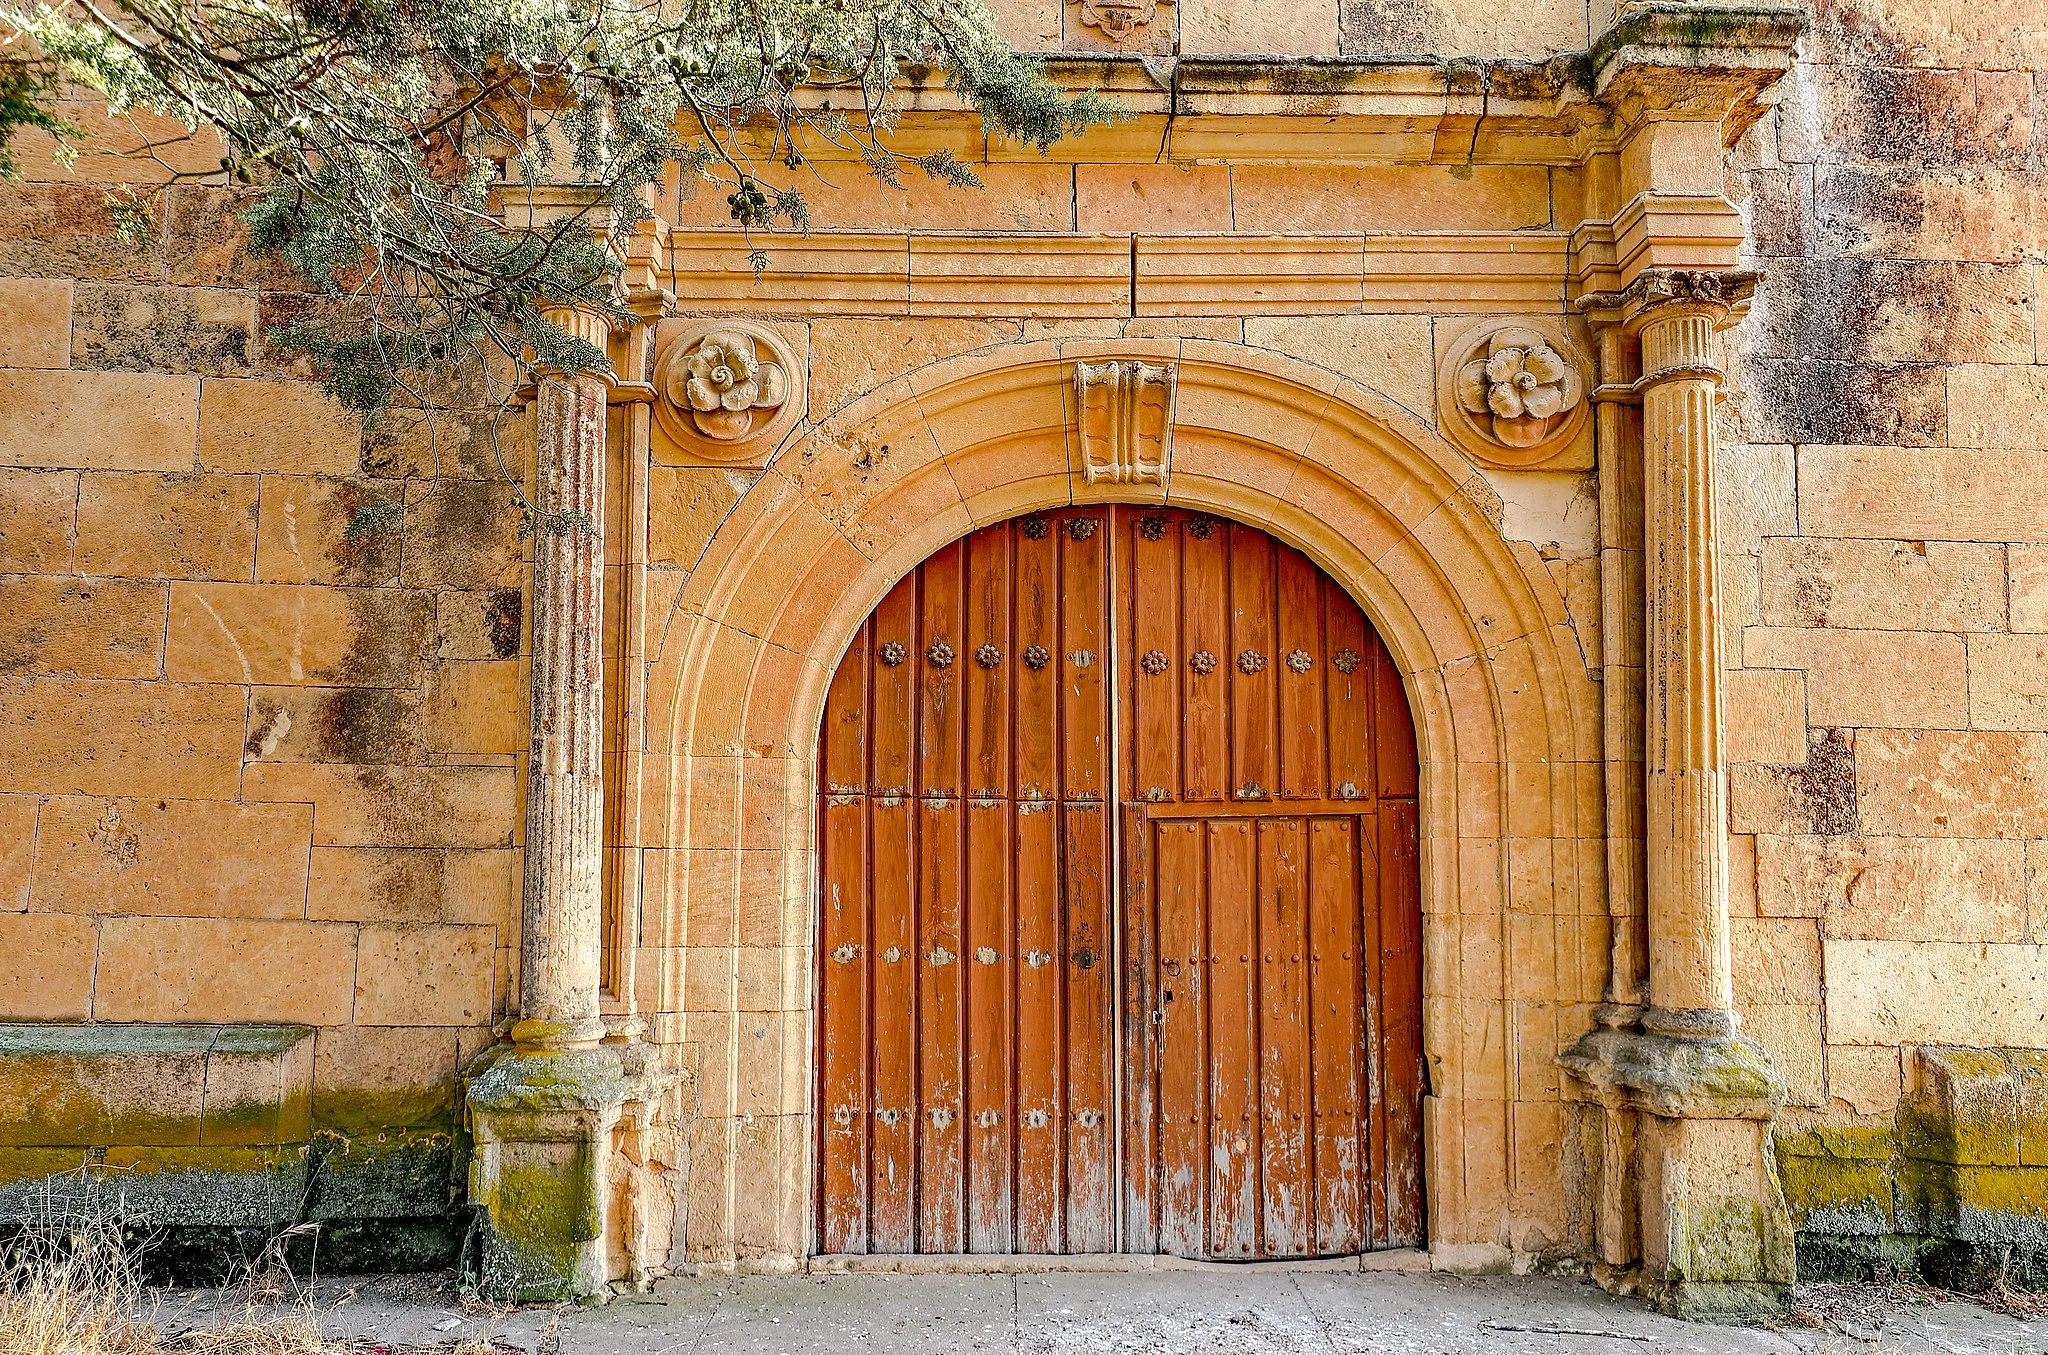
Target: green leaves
443, 173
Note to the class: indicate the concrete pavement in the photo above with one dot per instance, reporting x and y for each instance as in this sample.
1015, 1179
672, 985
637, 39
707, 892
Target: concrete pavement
1219, 1311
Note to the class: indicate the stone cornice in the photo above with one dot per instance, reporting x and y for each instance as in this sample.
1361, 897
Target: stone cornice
1707, 61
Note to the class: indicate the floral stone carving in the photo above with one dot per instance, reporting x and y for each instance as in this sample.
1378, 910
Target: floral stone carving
730, 390
1512, 395
1118, 19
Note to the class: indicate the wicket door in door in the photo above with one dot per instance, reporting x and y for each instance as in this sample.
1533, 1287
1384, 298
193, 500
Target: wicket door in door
1120, 924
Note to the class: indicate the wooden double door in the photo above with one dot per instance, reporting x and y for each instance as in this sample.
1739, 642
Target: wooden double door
1120, 926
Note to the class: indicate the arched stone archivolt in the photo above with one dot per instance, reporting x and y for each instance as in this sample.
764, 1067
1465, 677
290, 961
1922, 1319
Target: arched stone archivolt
1515, 932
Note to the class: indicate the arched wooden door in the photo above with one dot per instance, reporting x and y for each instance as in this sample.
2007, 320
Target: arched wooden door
1120, 928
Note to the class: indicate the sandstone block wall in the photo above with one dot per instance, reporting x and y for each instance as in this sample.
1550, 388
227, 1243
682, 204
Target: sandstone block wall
1882, 528
260, 676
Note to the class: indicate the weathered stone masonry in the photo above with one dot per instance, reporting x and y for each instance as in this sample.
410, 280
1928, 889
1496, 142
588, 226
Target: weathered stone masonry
1719, 635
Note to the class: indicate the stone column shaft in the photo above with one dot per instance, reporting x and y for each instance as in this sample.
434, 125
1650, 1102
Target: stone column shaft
560, 948
1621, 629
1684, 763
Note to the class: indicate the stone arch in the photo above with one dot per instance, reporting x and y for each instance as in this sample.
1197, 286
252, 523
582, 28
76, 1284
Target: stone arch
1506, 716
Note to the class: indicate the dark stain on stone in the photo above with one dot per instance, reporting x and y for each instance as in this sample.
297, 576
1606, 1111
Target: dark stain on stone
364, 725
1388, 27
1824, 790
160, 329
503, 615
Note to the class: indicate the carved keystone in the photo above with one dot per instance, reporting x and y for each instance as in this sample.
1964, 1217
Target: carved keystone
1124, 418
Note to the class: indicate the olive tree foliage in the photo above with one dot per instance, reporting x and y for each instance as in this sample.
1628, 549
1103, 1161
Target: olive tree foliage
386, 140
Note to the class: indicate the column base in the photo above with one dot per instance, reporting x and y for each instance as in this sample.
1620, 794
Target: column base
544, 1123
1679, 1197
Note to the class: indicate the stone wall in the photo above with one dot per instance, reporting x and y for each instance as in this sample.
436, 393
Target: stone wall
1883, 558
260, 676
261, 673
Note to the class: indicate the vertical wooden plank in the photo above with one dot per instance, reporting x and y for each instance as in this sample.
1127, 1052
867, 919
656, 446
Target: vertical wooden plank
941, 818
1286, 1183
987, 663
1040, 1024
1184, 1123
1154, 663
1254, 760
1336, 1033
1300, 667
1090, 974
1233, 1166
1347, 684
892, 1186
1373, 1121
1205, 644
844, 956
1393, 727
1401, 1002
1140, 1001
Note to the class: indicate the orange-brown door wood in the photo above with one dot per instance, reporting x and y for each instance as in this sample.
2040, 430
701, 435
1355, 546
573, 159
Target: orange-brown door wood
1107, 735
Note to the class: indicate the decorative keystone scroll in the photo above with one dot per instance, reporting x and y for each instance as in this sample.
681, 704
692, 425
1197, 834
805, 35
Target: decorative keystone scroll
1511, 395
1118, 19
729, 390
1125, 421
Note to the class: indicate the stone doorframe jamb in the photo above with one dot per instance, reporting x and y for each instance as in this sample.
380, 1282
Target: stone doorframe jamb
1505, 710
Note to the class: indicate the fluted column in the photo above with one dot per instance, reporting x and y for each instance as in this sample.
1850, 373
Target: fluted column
561, 939
1684, 760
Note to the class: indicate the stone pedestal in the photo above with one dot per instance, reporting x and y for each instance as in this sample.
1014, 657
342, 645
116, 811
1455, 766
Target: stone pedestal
1674, 1124
545, 1123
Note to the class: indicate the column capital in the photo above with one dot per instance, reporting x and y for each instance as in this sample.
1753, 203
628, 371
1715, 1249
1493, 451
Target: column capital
1664, 293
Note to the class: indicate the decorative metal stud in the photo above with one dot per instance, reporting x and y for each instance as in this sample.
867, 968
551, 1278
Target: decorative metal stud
1152, 527
892, 954
1345, 661
988, 1117
1155, 662
1087, 1119
888, 1115
842, 1116
892, 653
1036, 657
1203, 662
987, 955
1082, 657
1035, 527
941, 1117
988, 656
1201, 528
1251, 661
941, 957
940, 654
846, 954
1300, 661
1038, 959
1081, 528
1036, 1118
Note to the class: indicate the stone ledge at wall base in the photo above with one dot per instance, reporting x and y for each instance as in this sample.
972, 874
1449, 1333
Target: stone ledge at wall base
1677, 1196
1955, 1189
545, 1123
207, 1141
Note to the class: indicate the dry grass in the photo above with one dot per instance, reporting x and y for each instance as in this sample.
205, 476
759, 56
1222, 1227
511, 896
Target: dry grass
76, 1292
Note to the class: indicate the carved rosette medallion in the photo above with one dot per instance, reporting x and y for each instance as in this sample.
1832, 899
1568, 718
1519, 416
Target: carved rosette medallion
1118, 19
1124, 418
1511, 395
730, 390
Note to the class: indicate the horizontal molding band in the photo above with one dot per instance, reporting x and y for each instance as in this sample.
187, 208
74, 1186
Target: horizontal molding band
1069, 276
